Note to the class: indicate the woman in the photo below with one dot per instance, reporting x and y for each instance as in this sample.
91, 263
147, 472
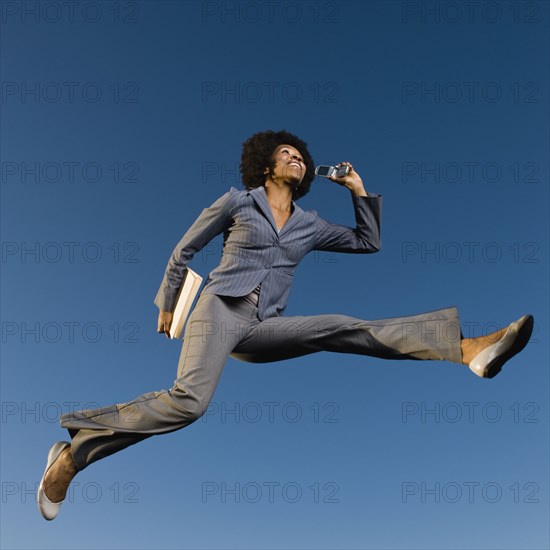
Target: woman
239, 312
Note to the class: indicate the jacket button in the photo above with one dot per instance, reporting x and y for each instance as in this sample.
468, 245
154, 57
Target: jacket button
267, 266
275, 243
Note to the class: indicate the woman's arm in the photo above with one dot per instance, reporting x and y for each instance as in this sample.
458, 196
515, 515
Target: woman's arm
211, 222
365, 238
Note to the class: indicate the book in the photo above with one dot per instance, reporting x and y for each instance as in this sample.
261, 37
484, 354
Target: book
184, 301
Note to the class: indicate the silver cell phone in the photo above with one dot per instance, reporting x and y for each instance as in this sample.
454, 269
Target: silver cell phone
327, 171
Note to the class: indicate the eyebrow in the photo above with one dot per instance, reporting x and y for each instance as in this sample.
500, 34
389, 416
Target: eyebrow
288, 147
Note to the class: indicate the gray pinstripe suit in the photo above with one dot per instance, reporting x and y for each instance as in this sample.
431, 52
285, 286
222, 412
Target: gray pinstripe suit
255, 253
224, 324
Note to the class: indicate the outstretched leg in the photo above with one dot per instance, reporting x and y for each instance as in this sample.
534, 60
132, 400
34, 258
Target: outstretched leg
434, 335
101, 432
213, 329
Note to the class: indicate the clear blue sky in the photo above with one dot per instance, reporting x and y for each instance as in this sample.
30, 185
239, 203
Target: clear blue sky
122, 121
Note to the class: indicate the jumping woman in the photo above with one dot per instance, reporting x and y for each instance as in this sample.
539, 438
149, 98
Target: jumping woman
240, 310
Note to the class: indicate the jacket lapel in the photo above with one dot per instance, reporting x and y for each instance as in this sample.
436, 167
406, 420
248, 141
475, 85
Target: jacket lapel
260, 197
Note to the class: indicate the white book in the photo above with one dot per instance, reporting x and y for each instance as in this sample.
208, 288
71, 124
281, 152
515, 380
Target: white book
186, 296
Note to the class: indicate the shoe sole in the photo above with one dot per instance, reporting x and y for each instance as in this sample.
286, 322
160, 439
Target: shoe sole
524, 334
43, 503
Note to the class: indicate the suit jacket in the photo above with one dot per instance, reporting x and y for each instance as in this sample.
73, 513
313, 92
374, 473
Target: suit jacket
255, 252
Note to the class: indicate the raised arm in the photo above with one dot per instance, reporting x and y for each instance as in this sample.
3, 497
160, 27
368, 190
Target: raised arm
365, 238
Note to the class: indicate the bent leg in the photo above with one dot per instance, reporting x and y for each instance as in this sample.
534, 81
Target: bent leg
434, 335
212, 331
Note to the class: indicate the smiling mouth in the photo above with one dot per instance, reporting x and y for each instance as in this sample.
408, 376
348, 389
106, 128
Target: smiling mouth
295, 164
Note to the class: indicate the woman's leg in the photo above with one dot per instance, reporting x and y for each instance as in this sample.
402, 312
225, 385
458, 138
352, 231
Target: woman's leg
214, 328
434, 335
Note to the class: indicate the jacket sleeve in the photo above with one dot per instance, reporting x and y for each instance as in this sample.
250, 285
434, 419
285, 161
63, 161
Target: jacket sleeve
211, 222
364, 239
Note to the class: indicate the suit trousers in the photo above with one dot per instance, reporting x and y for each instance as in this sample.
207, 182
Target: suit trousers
222, 326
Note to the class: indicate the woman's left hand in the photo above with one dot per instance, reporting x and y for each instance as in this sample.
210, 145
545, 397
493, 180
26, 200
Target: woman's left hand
352, 180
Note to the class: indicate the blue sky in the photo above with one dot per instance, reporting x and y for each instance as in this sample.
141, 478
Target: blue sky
121, 121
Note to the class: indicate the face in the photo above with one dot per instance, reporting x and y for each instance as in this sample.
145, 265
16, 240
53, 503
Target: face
289, 166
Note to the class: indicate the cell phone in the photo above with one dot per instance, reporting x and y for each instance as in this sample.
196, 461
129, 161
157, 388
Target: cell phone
327, 171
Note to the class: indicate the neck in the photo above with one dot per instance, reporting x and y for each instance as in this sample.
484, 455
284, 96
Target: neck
279, 195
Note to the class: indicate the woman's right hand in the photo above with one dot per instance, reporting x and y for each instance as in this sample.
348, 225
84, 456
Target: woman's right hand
165, 322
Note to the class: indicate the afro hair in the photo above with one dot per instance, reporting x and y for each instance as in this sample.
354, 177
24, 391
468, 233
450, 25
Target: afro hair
257, 153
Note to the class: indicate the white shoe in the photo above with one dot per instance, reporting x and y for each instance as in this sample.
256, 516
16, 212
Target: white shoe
48, 508
488, 362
